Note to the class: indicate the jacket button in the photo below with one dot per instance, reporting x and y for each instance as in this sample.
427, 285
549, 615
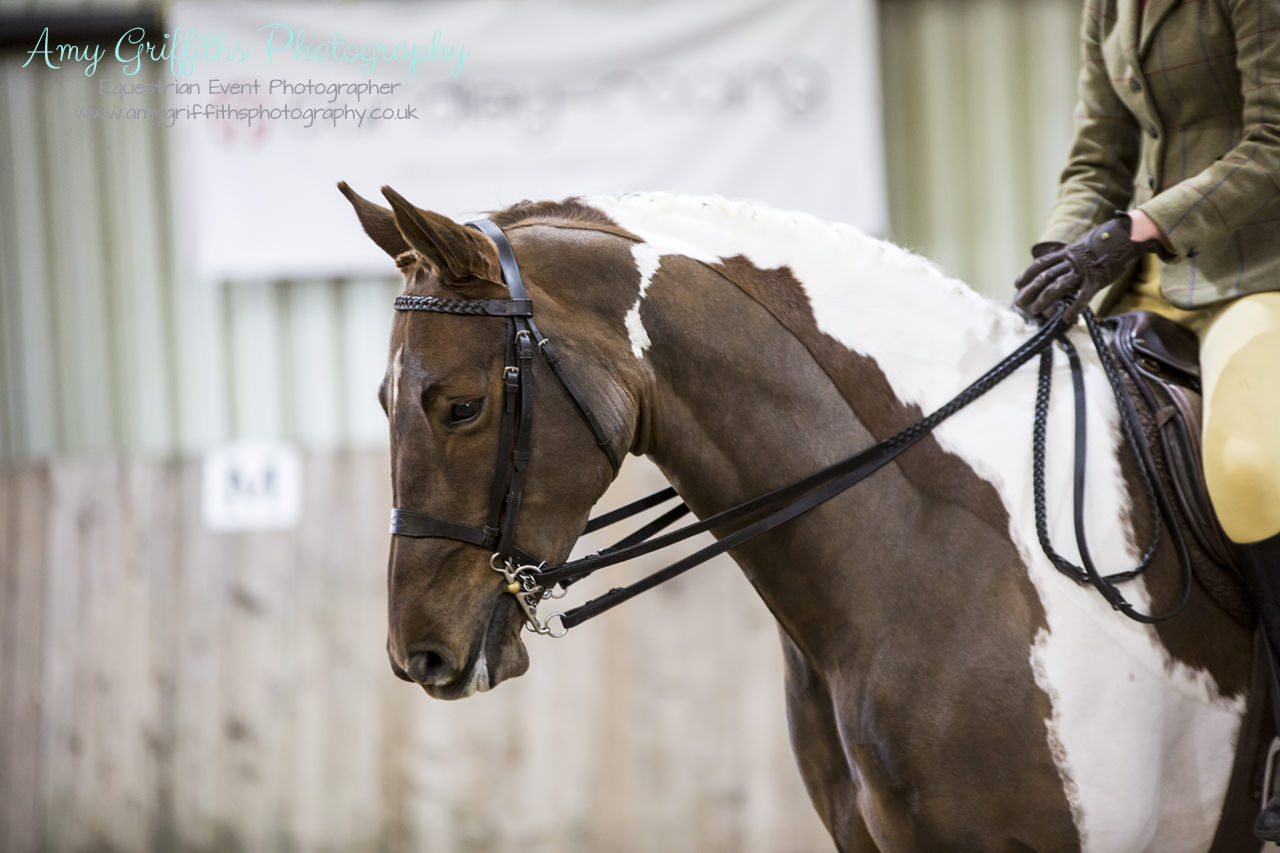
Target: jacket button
1151, 181
1135, 84
1151, 129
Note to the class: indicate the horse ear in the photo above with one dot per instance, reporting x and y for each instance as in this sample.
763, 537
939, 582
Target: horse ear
463, 251
378, 222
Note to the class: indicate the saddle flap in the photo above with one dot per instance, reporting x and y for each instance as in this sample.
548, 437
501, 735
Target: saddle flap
1163, 349
1162, 363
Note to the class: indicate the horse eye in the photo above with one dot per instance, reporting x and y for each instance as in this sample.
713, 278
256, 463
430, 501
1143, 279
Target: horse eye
464, 410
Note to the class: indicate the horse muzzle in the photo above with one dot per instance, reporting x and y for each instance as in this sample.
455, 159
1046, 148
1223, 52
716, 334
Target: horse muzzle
445, 674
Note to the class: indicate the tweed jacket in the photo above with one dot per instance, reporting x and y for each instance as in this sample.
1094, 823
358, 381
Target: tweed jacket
1179, 116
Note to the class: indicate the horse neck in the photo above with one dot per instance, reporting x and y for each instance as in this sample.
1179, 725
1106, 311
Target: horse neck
752, 385
764, 349
856, 296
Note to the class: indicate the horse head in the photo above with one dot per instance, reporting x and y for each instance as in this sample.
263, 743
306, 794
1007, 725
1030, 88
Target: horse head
454, 424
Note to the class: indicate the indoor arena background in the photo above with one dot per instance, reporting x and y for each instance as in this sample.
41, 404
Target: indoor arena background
193, 464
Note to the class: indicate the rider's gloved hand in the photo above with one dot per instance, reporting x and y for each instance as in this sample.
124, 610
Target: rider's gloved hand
1079, 270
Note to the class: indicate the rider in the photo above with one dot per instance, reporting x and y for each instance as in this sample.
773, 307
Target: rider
1175, 165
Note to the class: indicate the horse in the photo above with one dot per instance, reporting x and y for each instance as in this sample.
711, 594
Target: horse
946, 687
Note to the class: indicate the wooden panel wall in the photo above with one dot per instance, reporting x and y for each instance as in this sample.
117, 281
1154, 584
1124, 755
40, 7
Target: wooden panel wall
163, 687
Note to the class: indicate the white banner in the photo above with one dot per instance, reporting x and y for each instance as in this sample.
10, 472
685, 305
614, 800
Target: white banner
470, 106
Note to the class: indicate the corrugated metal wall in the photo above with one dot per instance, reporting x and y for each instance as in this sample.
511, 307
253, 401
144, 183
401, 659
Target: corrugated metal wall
979, 97
104, 346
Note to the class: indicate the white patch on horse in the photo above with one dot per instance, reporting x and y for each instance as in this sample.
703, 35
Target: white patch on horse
1143, 743
397, 369
480, 676
648, 259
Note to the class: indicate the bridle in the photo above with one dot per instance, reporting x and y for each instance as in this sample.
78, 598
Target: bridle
531, 580
507, 491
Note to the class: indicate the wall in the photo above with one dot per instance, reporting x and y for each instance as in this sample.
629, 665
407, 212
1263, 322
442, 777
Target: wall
105, 346
165, 687
979, 98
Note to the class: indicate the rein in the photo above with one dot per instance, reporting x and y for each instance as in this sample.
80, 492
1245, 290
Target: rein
1087, 573
532, 581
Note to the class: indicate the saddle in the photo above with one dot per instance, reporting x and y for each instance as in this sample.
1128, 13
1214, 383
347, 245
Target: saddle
1160, 368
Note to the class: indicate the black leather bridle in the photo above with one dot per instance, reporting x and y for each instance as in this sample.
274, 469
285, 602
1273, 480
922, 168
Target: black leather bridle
524, 341
532, 580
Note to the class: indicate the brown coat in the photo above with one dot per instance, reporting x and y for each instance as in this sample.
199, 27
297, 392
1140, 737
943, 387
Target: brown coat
1179, 115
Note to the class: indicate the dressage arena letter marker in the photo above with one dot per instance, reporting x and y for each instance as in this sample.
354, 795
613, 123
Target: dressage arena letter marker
252, 485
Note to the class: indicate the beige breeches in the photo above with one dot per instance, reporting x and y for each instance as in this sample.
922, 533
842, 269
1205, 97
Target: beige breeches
1240, 377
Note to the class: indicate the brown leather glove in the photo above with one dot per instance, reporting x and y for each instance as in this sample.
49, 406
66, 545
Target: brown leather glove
1079, 270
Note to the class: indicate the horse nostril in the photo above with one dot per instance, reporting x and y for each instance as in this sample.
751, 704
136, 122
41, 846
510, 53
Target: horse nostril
431, 667
399, 673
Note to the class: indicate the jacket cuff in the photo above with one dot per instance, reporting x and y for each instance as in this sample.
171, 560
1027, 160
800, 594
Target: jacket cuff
1169, 250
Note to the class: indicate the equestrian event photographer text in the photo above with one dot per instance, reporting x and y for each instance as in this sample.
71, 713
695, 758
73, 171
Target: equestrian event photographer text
182, 49
251, 102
